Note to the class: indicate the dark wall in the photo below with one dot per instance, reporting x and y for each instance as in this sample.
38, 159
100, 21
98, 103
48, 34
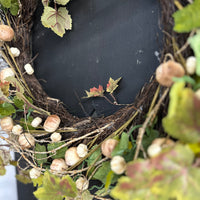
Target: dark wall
110, 38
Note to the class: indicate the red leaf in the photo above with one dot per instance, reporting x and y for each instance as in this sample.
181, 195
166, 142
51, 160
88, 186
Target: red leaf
95, 92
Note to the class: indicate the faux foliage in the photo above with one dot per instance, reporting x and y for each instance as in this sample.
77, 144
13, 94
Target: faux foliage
187, 18
183, 119
170, 175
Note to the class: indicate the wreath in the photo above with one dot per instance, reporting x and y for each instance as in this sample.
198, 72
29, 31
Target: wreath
146, 150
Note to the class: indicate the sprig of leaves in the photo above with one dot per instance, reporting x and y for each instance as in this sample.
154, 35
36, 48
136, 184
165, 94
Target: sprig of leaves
99, 92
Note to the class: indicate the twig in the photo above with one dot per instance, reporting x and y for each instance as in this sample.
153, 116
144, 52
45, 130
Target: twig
186, 44
115, 100
101, 198
190, 1
75, 139
178, 4
145, 124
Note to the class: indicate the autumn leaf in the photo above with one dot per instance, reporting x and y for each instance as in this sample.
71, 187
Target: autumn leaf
2, 167
15, 83
45, 2
38, 181
56, 188
24, 177
61, 2
112, 85
4, 86
5, 156
4, 98
58, 20
183, 119
95, 92
170, 175
4, 160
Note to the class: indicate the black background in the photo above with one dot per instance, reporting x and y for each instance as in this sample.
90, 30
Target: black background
110, 38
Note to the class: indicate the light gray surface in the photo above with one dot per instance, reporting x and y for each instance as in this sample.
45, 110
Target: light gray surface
8, 183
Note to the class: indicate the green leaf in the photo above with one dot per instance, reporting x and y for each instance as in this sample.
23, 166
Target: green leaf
56, 188
20, 103
102, 174
195, 44
40, 158
187, 18
170, 175
58, 20
185, 79
148, 138
5, 3
6, 109
27, 123
112, 85
97, 154
14, 8
62, 2
183, 118
59, 153
2, 167
122, 146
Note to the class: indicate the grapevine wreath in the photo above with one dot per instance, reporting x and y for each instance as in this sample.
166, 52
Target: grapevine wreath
146, 150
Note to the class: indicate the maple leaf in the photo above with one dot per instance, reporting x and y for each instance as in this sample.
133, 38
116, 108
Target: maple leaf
95, 92
170, 175
183, 119
112, 85
4, 92
56, 188
58, 20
